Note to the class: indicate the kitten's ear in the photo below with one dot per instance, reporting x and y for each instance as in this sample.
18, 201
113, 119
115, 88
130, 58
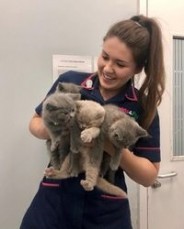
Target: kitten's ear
76, 96
141, 132
50, 107
100, 114
59, 87
78, 104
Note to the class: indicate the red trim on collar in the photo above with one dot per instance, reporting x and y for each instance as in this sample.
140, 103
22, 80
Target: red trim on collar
132, 96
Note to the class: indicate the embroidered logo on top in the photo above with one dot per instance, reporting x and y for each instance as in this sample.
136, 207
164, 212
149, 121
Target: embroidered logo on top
89, 83
132, 114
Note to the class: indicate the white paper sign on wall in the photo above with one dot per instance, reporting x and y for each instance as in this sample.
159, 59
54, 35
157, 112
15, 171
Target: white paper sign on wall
63, 63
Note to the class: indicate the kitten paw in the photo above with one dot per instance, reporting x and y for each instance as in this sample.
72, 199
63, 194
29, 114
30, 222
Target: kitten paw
114, 167
54, 146
74, 174
50, 172
86, 137
73, 171
88, 186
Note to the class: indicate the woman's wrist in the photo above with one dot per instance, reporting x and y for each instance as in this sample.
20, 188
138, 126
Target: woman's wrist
139, 169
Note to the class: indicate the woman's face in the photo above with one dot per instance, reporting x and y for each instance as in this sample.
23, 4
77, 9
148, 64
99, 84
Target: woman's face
115, 66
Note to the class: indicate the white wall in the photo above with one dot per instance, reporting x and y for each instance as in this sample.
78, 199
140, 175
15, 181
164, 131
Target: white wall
31, 31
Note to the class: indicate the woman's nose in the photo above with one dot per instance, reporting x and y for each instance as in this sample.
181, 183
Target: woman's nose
108, 66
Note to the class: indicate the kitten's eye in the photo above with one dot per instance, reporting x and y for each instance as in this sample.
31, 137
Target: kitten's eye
50, 107
55, 123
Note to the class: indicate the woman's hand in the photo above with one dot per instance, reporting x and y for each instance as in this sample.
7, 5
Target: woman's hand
37, 128
139, 169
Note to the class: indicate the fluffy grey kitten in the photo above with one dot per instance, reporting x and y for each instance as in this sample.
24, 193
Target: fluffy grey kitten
122, 131
58, 111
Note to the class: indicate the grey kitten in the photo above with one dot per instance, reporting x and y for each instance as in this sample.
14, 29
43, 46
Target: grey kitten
68, 88
123, 132
83, 157
57, 113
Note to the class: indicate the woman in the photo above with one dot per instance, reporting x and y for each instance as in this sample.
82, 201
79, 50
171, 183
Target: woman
129, 47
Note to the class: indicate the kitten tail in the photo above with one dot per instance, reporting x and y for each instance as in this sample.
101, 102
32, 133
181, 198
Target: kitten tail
109, 188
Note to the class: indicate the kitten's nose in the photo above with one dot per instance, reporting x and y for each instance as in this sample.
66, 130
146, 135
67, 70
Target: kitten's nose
116, 136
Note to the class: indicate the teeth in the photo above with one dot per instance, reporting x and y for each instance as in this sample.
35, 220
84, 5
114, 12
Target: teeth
107, 77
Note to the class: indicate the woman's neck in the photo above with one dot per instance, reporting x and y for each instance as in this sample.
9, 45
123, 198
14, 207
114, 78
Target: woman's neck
108, 94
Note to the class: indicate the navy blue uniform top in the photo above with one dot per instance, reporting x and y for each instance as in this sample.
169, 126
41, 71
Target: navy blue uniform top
64, 204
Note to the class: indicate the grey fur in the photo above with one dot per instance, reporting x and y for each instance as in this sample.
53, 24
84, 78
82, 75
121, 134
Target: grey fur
58, 111
122, 131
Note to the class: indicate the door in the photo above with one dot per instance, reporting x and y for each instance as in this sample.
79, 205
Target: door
165, 199
164, 202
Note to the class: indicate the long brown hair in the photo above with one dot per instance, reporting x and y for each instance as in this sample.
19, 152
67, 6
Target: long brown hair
143, 36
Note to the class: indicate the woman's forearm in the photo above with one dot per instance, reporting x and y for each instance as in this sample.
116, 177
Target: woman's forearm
37, 127
139, 169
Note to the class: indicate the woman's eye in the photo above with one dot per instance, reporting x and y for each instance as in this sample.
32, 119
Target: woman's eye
120, 65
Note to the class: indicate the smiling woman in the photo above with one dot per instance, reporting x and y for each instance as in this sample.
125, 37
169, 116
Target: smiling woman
129, 46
